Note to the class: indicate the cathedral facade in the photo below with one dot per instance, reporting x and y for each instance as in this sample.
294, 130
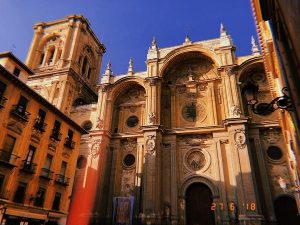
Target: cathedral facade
178, 143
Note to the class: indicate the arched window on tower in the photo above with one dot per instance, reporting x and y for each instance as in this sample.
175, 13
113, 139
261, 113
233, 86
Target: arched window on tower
51, 56
84, 66
42, 58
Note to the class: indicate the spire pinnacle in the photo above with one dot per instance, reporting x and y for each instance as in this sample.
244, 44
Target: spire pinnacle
187, 39
108, 71
154, 44
255, 49
130, 67
223, 31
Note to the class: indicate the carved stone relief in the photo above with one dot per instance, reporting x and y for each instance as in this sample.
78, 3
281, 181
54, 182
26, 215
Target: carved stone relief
240, 139
235, 111
127, 185
150, 144
151, 118
95, 148
195, 160
129, 145
271, 135
195, 139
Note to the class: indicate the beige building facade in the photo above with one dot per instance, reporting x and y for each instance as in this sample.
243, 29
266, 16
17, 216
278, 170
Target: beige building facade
175, 144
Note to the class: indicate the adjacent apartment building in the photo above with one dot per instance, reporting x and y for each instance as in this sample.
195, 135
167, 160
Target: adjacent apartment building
39, 146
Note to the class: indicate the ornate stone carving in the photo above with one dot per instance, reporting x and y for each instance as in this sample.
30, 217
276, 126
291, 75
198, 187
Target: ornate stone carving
192, 112
99, 123
195, 160
271, 135
240, 139
235, 111
223, 141
151, 118
129, 145
150, 144
95, 149
196, 139
127, 186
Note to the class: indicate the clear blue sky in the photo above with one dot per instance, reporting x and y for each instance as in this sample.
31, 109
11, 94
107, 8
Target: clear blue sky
127, 27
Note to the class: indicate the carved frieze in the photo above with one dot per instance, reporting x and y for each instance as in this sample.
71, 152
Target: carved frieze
240, 139
127, 185
195, 139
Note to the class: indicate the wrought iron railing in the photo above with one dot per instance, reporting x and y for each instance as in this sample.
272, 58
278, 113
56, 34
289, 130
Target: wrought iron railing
28, 166
20, 112
46, 173
39, 125
69, 143
62, 179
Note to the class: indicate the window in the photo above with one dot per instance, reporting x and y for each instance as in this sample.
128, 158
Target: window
22, 104
81, 162
55, 131
46, 172
84, 65
70, 134
2, 89
16, 71
2, 177
56, 201
63, 168
40, 197
42, 58
274, 153
29, 158
9, 143
8, 147
51, 55
20, 193
132, 121
87, 125
89, 73
39, 122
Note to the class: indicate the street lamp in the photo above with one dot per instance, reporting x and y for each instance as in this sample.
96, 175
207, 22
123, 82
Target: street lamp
283, 102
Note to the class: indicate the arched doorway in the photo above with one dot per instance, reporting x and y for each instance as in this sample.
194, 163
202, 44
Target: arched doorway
286, 211
199, 199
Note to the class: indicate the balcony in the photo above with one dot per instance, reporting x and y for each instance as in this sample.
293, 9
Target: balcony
28, 167
39, 125
56, 135
8, 159
2, 101
20, 112
69, 143
61, 179
46, 173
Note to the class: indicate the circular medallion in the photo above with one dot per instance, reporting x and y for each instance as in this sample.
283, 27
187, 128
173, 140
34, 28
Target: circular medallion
132, 121
195, 160
258, 77
194, 111
129, 160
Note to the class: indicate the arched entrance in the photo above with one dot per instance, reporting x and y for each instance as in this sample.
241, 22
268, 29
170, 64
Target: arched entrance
286, 211
199, 199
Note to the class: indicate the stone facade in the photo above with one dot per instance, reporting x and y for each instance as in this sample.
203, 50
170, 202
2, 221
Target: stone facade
153, 135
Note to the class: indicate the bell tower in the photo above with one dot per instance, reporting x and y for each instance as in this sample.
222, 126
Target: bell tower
66, 57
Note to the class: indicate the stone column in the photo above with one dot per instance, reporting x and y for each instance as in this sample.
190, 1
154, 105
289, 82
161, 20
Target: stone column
174, 191
32, 59
65, 51
247, 200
